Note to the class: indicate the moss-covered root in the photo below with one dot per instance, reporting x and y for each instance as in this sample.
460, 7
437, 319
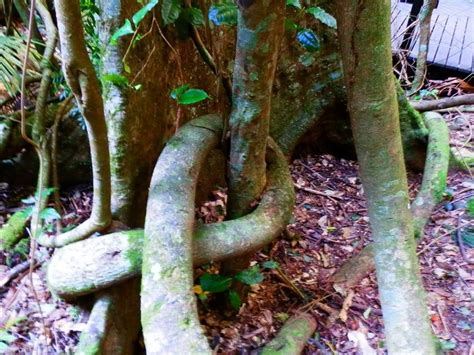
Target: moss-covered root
292, 338
97, 263
435, 173
113, 323
430, 194
364, 34
168, 305
13, 230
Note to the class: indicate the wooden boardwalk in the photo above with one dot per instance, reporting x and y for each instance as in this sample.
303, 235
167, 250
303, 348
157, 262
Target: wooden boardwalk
452, 33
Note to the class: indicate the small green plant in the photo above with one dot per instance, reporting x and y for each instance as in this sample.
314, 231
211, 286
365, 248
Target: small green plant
215, 283
185, 95
470, 207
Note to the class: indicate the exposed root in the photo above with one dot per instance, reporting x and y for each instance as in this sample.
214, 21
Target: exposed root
430, 194
168, 303
97, 263
292, 337
113, 323
12, 231
435, 173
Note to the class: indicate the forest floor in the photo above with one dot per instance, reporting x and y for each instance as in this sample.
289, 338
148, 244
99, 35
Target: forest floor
330, 225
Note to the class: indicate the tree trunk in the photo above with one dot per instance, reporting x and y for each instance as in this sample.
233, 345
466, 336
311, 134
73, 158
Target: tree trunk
260, 30
364, 32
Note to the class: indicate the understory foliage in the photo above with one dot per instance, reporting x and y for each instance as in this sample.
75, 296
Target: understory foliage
177, 97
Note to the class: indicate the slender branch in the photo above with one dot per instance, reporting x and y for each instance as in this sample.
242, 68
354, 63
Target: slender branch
82, 80
432, 105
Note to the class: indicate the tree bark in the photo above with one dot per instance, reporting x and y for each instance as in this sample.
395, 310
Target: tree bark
82, 80
260, 30
364, 32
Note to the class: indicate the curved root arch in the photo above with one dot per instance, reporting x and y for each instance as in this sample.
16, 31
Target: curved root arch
173, 243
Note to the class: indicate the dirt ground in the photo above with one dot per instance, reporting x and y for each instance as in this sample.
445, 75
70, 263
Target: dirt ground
329, 225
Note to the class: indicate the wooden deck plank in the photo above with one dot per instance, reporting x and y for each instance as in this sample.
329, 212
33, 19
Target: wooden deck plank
452, 33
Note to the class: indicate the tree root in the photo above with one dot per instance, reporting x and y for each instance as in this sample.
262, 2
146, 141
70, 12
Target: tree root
430, 194
13, 230
168, 304
113, 323
172, 243
432, 105
97, 263
292, 337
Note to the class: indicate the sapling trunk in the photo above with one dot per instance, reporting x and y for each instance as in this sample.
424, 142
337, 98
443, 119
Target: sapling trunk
364, 32
82, 80
259, 33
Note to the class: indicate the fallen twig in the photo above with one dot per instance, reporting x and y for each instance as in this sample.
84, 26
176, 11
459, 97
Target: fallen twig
432, 105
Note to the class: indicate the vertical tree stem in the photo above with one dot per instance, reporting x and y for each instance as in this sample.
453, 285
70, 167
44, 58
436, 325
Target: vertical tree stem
364, 32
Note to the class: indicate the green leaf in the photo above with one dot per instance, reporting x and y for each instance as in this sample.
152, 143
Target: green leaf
223, 14
140, 14
306, 59
447, 344
322, 16
30, 200
291, 25
270, 264
49, 214
126, 29
467, 236
215, 283
170, 10
6, 337
308, 40
194, 16
470, 207
192, 96
177, 92
294, 3
250, 276
234, 299
115, 79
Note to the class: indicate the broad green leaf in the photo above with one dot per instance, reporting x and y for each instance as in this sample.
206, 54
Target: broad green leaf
447, 344
270, 264
194, 16
126, 29
140, 14
223, 14
467, 236
30, 200
115, 79
321, 15
294, 3
192, 96
177, 92
170, 10
250, 276
308, 40
470, 207
234, 299
49, 214
215, 283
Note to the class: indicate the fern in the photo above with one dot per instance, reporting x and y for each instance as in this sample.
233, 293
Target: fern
12, 53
